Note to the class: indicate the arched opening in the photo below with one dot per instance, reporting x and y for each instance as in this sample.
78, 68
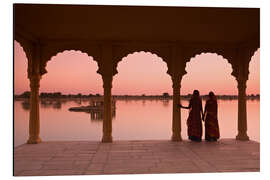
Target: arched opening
143, 107
71, 81
253, 93
73, 74
211, 72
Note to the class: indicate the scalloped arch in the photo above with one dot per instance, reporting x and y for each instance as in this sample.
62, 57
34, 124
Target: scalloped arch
227, 55
223, 69
126, 53
50, 52
254, 50
252, 53
61, 52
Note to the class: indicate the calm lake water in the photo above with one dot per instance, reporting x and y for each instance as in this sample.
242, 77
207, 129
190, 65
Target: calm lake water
133, 120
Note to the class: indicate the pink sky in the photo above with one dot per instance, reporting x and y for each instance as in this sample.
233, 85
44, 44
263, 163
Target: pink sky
138, 73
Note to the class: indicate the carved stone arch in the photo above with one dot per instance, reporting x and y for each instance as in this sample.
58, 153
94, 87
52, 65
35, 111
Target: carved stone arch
244, 59
120, 52
29, 48
26, 45
176, 65
51, 50
251, 52
227, 53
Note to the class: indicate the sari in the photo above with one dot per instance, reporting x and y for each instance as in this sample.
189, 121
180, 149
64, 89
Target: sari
194, 121
211, 121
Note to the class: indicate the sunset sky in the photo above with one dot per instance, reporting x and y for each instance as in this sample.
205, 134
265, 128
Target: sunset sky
73, 72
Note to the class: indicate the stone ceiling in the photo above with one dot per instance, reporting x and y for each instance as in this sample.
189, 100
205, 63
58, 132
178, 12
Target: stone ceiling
135, 23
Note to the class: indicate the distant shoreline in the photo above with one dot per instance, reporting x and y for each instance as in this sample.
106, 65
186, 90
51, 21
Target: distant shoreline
132, 97
165, 95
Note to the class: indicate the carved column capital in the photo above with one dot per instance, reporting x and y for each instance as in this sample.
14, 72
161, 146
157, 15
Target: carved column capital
241, 84
176, 81
107, 81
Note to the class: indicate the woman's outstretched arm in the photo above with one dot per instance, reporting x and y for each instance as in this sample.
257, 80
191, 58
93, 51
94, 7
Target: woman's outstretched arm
185, 107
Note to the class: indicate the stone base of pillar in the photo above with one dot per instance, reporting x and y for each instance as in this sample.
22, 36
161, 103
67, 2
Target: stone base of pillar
107, 139
242, 137
34, 140
176, 137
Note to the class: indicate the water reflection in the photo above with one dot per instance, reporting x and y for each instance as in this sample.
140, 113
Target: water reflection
57, 103
26, 104
95, 108
143, 102
165, 102
131, 123
51, 103
98, 116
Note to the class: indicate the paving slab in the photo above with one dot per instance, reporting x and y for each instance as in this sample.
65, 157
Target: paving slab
135, 157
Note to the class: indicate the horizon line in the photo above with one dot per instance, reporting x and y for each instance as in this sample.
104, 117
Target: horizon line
98, 94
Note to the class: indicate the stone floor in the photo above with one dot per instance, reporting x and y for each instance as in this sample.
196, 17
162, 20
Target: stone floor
135, 157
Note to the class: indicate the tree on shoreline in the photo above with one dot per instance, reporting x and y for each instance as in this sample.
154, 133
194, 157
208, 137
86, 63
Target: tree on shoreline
166, 95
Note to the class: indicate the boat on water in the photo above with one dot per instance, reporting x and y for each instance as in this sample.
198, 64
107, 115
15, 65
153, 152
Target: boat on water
95, 106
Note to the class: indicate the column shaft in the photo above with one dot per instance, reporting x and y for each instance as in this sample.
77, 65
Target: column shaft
176, 124
107, 121
34, 121
242, 111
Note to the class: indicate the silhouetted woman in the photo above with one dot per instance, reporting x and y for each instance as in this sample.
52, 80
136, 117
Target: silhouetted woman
194, 121
211, 121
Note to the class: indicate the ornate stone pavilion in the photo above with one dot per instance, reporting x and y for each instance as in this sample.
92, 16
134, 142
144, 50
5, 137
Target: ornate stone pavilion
109, 33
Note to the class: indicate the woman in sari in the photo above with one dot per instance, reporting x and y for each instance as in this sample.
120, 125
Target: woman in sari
211, 121
194, 121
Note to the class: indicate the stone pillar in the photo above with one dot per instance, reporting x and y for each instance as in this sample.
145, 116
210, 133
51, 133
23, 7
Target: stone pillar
241, 74
242, 111
107, 120
176, 124
34, 122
